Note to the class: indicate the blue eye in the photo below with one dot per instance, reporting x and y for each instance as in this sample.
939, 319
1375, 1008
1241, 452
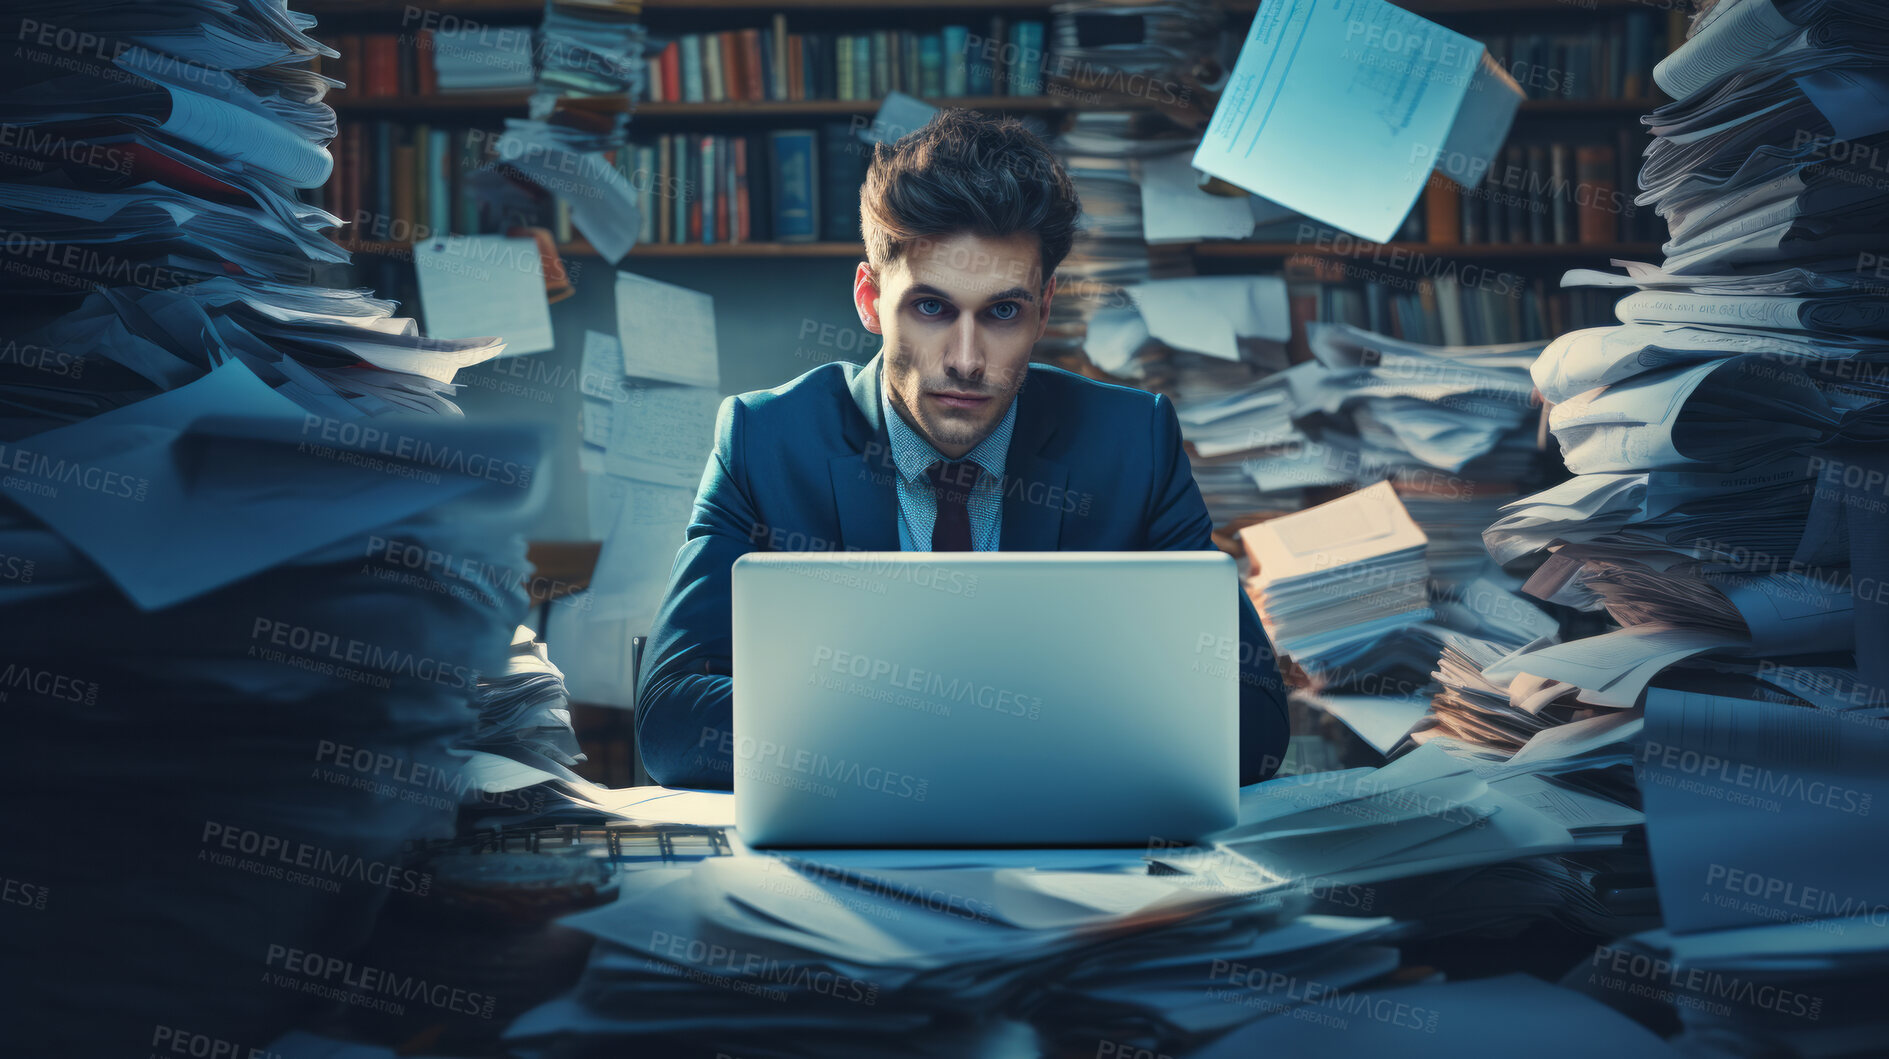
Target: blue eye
1012, 310
922, 302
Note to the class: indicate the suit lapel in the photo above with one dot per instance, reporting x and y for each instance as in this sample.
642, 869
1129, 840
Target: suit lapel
863, 491
1034, 485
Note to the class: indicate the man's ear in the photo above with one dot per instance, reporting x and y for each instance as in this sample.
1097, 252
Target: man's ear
866, 297
1049, 292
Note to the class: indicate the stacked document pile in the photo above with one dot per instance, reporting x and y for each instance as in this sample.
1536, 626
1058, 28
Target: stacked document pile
524, 714
1091, 313
816, 955
1333, 582
482, 58
243, 605
1445, 838
1725, 435
587, 50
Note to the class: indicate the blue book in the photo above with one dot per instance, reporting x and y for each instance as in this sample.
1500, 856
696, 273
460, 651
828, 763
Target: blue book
691, 51
1026, 73
795, 164
439, 196
957, 64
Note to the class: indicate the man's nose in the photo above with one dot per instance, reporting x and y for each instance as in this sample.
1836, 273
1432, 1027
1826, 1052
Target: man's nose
964, 357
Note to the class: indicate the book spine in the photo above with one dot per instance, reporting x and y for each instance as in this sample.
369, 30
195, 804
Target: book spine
643, 159
879, 64
999, 81
727, 213
1514, 191
693, 88
796, 68
743, 227
753, 73
672, 72
1540, 208
782, 74
711, 189
954, 40
1443, 206
426, 76
1595, 167
910, 77
1562, 192
718, 68
382, 70
846, 66
796, 185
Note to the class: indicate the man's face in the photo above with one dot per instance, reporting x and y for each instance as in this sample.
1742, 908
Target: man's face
959, 314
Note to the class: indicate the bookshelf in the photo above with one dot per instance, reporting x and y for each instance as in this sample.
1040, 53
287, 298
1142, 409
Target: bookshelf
1559, 119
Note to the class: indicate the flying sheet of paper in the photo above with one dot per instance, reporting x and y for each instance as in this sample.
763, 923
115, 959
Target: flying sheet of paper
898, 115
667, 332
1210, 314
1482, 125
601, 199
1175, 209
477, 285
1380, 720
663, 434
1338, 109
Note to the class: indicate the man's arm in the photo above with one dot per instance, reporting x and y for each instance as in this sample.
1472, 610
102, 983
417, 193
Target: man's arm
1178, 521
685, 695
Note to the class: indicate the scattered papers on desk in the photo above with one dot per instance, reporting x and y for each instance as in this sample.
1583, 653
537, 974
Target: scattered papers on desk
1389, 83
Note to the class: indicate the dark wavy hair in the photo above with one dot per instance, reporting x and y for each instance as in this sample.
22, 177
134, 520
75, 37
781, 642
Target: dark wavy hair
964, 171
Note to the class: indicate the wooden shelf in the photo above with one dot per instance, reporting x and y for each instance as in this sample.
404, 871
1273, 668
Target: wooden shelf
1609, 108
339, 8
1227, 250
580, 248
501, 102
1230, 250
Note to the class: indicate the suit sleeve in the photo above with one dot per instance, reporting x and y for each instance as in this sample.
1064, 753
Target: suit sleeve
685, 695
1178, 521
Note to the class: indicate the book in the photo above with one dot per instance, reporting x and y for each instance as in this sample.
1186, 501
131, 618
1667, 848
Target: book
794, 158
1597, 207
843, 162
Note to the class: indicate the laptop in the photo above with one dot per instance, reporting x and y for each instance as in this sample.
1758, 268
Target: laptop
983, 699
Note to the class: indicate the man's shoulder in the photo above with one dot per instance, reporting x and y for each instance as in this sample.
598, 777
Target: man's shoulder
1062, 386
811, 387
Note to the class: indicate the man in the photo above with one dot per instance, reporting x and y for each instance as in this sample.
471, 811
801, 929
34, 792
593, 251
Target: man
948, 439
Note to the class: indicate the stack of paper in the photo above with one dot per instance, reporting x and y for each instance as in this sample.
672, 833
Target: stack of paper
845, 956
1444, 807
524, 714
480, 58
1333, 576
1091, 316
587, 50
1722, 435
299, 609
245, 607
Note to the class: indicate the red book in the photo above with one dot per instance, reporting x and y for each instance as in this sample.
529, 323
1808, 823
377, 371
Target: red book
672, 72
733, 87
427, 78
380, 75
751, 66
796, 81
741, 189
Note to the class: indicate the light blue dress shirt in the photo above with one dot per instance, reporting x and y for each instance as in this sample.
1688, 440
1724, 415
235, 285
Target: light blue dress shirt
918, 505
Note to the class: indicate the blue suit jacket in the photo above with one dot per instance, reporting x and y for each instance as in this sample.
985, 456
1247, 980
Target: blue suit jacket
807, 467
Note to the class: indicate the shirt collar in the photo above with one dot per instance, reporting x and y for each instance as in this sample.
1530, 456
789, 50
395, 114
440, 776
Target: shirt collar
913, 454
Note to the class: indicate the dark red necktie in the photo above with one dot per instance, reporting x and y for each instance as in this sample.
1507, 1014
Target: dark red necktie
951, 483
